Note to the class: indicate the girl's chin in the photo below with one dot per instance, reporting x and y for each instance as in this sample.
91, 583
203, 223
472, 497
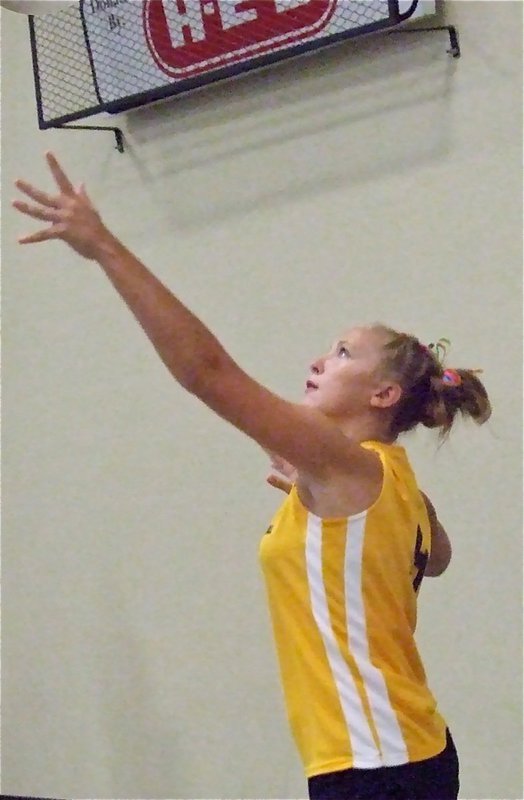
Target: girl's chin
309, 399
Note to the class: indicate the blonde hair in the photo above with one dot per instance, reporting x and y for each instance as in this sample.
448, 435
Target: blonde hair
427, 398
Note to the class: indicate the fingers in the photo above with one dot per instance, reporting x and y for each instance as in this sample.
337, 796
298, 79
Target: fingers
40, 236
50, 209
48, 215
36, 194
279, 483
63, 182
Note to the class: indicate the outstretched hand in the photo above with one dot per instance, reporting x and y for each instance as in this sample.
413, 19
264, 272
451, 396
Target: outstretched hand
71, 214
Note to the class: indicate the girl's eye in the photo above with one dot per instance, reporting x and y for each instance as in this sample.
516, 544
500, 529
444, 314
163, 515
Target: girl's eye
343, 350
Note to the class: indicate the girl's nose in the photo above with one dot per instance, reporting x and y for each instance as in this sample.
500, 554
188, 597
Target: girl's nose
317, 366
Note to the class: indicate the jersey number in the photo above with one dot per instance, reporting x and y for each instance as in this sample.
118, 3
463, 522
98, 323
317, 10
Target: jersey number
420, 560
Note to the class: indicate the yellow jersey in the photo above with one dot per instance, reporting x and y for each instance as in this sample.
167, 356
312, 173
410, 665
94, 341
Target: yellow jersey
343, 603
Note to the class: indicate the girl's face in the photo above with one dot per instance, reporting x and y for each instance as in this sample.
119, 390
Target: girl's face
346, 381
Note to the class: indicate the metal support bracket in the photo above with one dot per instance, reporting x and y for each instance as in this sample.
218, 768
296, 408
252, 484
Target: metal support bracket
119, 136
454, 48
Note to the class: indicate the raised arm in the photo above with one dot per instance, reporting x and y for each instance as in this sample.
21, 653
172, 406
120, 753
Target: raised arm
302, 435
440, 555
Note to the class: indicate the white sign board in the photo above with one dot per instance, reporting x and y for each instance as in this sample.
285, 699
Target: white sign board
138, 46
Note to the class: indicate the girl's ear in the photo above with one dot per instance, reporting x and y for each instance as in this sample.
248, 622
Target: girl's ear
387, 396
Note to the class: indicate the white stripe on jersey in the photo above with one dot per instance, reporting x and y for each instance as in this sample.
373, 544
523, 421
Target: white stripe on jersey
394, 751
365, 752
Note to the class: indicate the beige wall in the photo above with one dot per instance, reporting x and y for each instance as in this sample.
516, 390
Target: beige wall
378, 180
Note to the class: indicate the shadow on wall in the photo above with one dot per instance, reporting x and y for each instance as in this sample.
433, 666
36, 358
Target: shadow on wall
346, 115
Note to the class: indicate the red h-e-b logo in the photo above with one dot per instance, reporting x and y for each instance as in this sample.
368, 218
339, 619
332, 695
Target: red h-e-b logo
188, 37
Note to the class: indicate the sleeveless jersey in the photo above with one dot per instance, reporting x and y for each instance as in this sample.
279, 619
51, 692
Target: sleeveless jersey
343, 603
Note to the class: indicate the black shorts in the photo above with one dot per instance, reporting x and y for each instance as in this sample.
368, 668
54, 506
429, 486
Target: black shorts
434, 778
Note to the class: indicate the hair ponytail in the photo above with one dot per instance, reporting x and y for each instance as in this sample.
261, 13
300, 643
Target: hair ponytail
431, 395
445, 400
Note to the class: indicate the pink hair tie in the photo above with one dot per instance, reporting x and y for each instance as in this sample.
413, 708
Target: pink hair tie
451, 377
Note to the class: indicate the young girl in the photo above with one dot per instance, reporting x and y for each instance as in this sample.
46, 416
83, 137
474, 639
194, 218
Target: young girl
345, 555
